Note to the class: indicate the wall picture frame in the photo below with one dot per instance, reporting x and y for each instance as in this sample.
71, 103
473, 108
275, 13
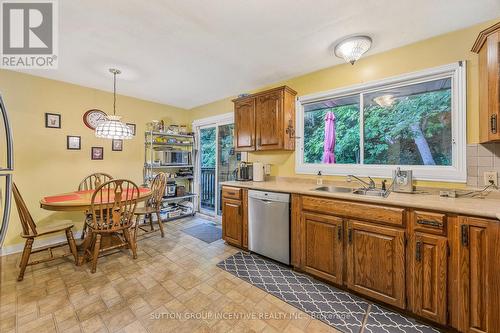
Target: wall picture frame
52, 120
132, 127
73, 142
97, 153
117, 145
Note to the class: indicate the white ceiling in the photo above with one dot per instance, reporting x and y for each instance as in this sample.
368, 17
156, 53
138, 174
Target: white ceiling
187, 53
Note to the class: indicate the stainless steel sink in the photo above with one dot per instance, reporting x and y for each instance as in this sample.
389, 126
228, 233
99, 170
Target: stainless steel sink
334, 189
370, 192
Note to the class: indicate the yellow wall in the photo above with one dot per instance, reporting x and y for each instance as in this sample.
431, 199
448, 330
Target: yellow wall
42, 164
440, 50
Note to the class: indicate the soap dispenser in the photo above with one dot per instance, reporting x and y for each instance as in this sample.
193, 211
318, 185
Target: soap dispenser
319, 179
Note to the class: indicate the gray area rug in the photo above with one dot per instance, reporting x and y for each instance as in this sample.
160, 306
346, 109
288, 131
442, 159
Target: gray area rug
205, 232
337, 308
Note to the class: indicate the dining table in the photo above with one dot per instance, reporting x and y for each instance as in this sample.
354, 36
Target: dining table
79, 200
82, 201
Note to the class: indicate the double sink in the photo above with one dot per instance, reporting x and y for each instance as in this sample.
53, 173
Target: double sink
374, 192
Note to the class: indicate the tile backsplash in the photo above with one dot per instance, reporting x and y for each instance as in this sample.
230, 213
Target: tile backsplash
481, 158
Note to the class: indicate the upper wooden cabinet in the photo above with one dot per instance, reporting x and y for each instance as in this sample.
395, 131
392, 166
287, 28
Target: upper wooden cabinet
487, 46
266, 120
244, 119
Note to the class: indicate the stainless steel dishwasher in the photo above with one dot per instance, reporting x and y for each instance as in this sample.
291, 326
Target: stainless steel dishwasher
269, 224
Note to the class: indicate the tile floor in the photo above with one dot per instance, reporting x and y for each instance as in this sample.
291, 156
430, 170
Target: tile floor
174, 285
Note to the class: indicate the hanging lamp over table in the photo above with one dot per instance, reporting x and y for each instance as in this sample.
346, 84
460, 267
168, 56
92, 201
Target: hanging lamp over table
112, 127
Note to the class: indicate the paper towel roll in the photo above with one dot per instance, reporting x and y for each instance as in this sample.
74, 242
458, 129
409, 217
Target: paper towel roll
258, 172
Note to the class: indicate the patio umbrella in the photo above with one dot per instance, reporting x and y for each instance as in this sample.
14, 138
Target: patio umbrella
329, 144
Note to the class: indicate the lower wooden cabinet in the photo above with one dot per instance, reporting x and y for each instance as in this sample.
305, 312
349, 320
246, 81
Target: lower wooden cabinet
476, 292
323, 252
376, 262
429, 260
232, 221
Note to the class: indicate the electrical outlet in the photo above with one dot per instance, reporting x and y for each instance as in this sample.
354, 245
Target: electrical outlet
267, 169
490, 176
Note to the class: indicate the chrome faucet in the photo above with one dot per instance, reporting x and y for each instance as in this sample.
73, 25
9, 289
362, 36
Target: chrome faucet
370, 185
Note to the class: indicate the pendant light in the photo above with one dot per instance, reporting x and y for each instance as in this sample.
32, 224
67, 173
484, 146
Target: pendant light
112, 127
352, 48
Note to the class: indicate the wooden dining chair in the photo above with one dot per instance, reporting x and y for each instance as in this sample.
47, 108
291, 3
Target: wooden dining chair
91, 182
31, 232
152, 206
112, 209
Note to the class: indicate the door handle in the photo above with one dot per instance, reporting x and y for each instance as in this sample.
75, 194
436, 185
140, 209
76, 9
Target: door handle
493, 123
418, 251
339, 232
349, 236
465, 235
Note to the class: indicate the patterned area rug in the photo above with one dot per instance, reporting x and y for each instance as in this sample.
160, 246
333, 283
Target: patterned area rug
205, 232
337, 308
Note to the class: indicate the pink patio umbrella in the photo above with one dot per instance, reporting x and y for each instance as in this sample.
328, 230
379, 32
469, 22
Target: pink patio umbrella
329, 144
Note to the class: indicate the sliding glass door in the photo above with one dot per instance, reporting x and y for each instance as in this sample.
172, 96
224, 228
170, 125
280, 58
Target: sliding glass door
207, 169
226, 159
217, 163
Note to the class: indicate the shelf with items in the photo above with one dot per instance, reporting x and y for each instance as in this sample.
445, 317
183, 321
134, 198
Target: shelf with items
172, 154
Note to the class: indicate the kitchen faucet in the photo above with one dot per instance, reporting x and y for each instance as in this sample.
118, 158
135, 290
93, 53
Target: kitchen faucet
370, 185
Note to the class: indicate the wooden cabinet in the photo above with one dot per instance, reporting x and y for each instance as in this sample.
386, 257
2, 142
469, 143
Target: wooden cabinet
429, 260
376, 262
487, 45
232, 221
234, 216
266, 120
244, 119
323, 246
478, 275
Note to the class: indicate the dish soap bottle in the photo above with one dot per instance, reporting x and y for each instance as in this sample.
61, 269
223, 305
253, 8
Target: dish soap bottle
319, 179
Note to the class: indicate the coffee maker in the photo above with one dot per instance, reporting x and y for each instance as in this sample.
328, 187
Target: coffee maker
244, 171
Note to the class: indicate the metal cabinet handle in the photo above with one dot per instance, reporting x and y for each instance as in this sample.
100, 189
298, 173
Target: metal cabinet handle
465, 235
418, 251
339, 232
349, 236
493, 123
430, 223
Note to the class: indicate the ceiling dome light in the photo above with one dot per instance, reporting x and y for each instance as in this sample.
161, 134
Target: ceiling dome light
112, 127
352, 48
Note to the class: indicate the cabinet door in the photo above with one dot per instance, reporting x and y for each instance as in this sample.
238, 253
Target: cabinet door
269, 123
323, 253
473, 287
376, 262
232, 222
244, 118
430, 263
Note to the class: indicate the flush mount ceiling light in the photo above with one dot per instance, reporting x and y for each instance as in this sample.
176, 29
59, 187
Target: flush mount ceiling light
352, 48
112, 127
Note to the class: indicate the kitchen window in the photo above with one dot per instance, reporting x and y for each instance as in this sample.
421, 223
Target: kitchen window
413, 121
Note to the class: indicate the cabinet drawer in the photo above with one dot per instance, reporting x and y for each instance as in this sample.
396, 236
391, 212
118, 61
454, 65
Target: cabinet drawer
231, 192
429, 222
382, 214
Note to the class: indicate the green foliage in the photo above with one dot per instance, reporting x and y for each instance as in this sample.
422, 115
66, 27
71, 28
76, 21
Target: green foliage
207, 143
347, 133
389, 132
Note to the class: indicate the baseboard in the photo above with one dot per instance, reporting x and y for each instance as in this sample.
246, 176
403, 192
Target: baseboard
16, 248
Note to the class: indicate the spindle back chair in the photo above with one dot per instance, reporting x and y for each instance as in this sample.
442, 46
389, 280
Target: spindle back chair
112, 207
31, 232
153, 205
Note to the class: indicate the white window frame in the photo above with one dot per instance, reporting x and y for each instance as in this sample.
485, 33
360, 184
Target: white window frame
457, 172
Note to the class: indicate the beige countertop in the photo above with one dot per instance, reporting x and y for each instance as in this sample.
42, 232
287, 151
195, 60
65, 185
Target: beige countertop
488, 207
